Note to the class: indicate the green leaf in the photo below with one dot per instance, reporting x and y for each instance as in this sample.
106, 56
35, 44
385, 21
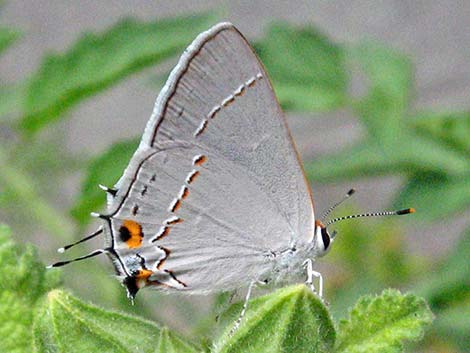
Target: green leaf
66, 324
389, 74
368, 256
98, 61
307, 69
424, 191
450, 280
451, 129
24, 280
453, 324
291, 319
420, 153
7, 38
359, 160
395, 143
170, 343
9, 95
447, 289
105, 169
383, 323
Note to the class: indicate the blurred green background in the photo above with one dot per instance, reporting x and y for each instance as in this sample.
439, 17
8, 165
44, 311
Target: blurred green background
376, 97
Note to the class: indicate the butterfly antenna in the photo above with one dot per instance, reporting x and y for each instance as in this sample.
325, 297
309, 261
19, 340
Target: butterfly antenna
329, 210
92, 254
66, 247
374, 214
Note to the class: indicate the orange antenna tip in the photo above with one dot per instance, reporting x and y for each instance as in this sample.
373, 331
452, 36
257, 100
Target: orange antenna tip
406, 211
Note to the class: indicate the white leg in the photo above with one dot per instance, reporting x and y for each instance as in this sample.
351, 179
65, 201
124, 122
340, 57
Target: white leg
308, 264
310, 274
245, 306
320, 282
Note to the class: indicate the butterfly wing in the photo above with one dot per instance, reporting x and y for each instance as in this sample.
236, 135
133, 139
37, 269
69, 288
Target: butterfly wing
216, 185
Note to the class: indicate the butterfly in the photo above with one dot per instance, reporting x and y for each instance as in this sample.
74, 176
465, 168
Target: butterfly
215, 197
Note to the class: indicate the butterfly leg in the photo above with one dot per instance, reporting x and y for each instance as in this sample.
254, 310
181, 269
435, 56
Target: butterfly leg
245, 306
310, 274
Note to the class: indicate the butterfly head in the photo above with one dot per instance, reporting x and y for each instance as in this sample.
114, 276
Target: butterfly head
322, 239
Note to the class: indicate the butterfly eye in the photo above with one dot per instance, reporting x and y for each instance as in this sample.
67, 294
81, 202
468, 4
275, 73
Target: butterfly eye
325, 238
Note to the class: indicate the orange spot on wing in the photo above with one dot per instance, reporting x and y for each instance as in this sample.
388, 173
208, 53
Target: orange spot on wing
142, 278
185, 193
135, 232
143, 274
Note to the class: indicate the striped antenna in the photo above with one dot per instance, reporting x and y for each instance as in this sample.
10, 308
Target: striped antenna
328, 211
374, 214
66, 247
92, 254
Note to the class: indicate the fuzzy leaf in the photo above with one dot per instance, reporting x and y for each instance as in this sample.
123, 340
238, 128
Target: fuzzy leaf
98, 61
291, 319
105, 169
66, 324
383, 323
307, 69
23, 280
169, 343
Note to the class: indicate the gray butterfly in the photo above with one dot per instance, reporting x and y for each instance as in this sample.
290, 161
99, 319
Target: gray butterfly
215, 197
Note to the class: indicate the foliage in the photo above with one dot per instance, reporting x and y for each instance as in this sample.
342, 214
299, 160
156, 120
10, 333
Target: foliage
63, 323
395, 144
99, 61
429, 150
381, 324
23, 280
308, 71
104, 169
280, 322
448, 291
40, 318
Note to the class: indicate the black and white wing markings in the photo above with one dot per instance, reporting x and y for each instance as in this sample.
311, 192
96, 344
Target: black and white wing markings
226, 102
